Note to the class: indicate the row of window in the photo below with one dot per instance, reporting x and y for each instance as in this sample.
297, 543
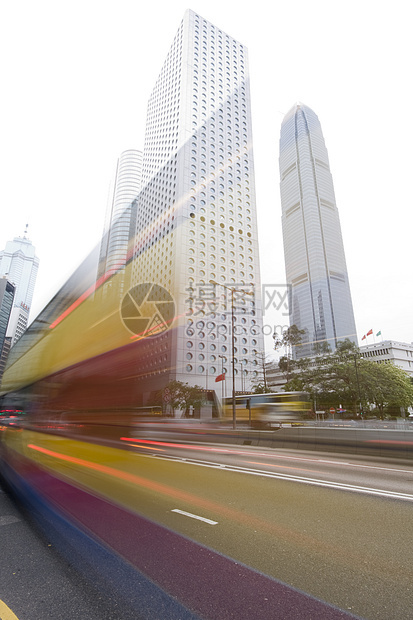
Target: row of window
212, 370
375, 352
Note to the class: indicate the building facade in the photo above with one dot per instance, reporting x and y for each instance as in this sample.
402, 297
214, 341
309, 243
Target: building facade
120, 221
19, 264
196, 230
398, 353
320, 299
7, 290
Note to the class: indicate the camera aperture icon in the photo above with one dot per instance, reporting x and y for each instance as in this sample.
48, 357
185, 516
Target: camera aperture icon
147, 309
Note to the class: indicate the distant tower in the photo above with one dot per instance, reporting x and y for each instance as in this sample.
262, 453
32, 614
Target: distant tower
19, 264
320, 300
7, 290
121, 216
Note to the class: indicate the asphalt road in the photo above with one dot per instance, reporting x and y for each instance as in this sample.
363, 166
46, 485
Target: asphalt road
336, 527
36, 583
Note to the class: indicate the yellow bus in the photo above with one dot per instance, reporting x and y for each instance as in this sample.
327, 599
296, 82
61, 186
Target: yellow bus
266, 410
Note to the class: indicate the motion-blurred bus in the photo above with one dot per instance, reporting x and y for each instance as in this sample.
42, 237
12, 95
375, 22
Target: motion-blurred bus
266, 410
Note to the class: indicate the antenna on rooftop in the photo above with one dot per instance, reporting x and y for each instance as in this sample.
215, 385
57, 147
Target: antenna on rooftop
25, 232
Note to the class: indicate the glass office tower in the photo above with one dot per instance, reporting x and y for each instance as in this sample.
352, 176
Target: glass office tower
320, 299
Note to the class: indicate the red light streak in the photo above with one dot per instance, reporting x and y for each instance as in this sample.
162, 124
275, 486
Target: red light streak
153, 330
158, 487
146, 447
181, 445
233, 515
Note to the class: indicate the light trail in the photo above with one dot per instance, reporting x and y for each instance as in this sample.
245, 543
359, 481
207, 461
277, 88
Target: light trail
264, 454
340, 486
243, 518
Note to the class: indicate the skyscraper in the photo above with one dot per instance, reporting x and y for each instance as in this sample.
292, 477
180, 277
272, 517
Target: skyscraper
6, 304
320, 299
19, 263
196, 230
121, 217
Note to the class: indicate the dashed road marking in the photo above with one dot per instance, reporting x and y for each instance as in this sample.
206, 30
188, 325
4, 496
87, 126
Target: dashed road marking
189, 514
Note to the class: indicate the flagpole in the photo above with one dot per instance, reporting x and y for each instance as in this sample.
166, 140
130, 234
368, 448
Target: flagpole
222, 373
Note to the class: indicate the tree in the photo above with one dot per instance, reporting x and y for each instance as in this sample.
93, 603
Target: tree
291, 337
346, 378
182, 396
390, 388
192, 396
260, 388
264, 365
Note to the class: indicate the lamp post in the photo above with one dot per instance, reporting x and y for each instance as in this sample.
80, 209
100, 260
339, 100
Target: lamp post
233, 290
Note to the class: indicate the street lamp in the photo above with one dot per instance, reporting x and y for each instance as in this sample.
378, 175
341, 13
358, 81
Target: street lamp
233, 290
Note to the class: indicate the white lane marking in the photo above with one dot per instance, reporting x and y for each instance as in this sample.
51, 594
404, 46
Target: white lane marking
6, 519
189, 514
359, 465
341, 486
284, 457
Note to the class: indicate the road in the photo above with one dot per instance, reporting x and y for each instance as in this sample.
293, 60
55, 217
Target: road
36, 583
334, 526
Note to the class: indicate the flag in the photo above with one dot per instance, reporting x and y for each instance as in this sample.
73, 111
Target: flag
364, 337
378, 334
220, 378
370, 333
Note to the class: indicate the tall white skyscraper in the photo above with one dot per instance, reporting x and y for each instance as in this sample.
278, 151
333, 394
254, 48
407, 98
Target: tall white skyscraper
19, 263
320, 300
121, 216
196, 232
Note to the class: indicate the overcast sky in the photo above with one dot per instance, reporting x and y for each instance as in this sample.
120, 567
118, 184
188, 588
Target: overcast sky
76, 78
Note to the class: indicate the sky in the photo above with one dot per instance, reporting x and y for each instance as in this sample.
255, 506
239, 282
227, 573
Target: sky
76, 78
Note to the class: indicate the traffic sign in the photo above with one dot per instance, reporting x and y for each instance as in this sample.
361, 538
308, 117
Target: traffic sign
332, 410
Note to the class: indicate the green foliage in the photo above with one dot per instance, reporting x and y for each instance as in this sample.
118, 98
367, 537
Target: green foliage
263, 366
260, 388
291, 337
183, 396
345, 378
